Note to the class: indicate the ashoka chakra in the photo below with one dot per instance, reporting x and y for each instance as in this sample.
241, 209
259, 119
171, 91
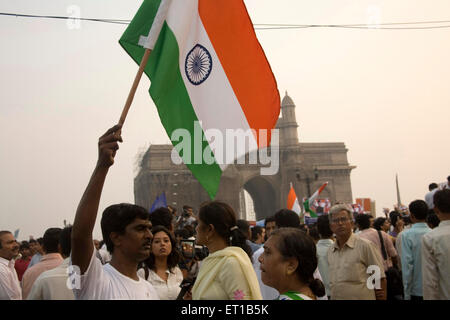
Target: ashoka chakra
198, 64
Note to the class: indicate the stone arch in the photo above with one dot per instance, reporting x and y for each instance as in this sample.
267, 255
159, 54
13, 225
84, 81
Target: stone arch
264, 196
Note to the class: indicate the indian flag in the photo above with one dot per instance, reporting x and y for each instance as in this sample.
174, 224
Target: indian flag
308, 203
208, 75
292, 202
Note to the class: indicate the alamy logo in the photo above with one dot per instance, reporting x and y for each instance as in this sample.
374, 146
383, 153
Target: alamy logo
198, 65
224, 147
74, 279
75, 14
373, 281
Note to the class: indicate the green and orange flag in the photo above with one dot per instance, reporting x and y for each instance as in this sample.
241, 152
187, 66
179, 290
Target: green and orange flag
208, 74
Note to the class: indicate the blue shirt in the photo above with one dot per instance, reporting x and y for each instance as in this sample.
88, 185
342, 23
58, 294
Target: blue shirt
412, 260
35, 259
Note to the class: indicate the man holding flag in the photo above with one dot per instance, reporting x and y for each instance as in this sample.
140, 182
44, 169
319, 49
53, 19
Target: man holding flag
208, 72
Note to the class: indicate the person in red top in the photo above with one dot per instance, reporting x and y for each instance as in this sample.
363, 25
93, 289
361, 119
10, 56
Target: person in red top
21, 264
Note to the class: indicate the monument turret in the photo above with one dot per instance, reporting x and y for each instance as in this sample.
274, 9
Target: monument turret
287, 124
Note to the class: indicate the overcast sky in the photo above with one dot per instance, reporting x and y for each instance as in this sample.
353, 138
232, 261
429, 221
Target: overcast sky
384, 93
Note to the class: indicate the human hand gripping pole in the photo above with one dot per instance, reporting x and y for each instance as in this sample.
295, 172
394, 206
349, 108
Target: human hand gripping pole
82, 242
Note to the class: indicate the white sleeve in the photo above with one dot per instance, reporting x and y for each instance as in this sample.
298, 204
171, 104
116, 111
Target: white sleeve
36, 291
141, 273
7, 293
92, 284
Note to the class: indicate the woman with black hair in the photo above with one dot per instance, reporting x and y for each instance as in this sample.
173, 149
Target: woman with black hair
288, 264
161, 267
227, 273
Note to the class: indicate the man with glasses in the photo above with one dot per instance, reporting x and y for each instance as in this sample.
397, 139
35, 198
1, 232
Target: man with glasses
356, 269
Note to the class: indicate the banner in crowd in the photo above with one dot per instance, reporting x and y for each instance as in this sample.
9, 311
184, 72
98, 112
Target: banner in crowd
320, 207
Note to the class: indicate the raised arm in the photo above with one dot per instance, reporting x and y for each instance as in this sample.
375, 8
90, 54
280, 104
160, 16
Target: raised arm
83, 225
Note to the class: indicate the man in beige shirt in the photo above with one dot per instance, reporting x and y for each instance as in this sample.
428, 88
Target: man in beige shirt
353, 262
50, 260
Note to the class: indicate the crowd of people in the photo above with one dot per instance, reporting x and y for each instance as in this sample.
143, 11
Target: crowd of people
213, 255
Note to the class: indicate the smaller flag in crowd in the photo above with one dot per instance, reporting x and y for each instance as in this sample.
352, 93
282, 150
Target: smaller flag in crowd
292, 201
159, 202
309, 203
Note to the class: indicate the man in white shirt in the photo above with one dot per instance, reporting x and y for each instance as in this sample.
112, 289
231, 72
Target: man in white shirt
436, 252
433, 187
52, 284
9, 282
322, 247
126, 232
445, 185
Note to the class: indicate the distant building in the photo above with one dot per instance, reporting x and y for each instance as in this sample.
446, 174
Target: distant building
300, 163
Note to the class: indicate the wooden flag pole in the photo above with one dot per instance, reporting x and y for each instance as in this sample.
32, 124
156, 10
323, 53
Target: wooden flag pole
134, 87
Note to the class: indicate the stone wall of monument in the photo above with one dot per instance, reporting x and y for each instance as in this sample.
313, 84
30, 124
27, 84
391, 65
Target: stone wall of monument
299, 165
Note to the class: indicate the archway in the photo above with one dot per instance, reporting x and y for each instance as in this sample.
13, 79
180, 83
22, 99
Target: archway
263, 195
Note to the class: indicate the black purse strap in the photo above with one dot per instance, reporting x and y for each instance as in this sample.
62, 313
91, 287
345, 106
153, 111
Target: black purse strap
383, 249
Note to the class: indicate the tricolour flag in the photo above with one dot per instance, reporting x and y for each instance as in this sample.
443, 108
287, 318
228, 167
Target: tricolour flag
307, 204
292, 201
206, 65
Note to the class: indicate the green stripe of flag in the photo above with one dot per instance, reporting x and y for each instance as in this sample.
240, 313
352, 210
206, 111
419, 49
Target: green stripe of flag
167, 88
308, 209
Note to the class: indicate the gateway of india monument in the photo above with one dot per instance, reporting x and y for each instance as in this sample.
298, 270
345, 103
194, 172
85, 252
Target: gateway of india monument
252, 195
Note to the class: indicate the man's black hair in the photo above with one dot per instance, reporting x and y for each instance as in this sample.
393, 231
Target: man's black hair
378, 223
269, 219
286, 218
256, 230
432, 219
244, 226
432, 186
441, 200
65, 241
1, 234
183, 233
419, 209
323, 226
117, 217
51, 240
394, 216
314, 233
363, 221
161, 217
24, 245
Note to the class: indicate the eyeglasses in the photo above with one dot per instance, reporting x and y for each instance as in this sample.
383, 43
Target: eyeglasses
337, 220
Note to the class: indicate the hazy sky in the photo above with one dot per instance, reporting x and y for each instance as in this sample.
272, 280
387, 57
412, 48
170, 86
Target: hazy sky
385, 93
